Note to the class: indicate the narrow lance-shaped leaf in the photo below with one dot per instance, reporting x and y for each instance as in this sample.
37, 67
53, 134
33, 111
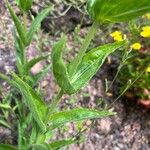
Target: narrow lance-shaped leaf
117, 10
37, 22
25, 5
60, 144
59, 67
36, 105
54, 145
20, 53
58, 119
90, 64
40, 147
18, 24
4, 123
5, 106
4, 77
7, 147
27, 67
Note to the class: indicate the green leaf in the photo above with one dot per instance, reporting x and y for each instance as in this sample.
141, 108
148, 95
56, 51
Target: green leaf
7, 147
59, 67
17, 2
40, 147
21, 138
4, 123
90, 64
54, 145
77, 60
60, 144
20, 53
25, 5
4, 77
5, 106
36, 105
117, 10
58, 119
18, 24
27, 67
37, 22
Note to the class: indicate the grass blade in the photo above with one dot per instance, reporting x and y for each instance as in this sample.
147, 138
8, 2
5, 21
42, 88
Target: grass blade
37, 22
25, 5
7, 147
60, 144
18, 24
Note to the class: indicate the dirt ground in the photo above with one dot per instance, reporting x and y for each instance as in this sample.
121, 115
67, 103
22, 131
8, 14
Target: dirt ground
128, 130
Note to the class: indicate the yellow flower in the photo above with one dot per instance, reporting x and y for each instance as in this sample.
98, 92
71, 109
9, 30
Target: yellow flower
136, 46
116, 33
148, 69
148, 15
146, 31
117, 36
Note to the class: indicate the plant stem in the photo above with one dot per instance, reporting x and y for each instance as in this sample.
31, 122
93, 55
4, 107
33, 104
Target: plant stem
25, 29
19, 136
24, 56
124, 59
55, 102
85, 45
25, 21
118, 71
128, 86
88, 39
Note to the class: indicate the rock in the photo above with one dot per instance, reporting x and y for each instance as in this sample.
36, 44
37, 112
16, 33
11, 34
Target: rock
105, 125
44, 83
37, 68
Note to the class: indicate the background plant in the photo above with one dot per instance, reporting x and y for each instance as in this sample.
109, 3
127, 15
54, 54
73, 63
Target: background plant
134, 65
138, 60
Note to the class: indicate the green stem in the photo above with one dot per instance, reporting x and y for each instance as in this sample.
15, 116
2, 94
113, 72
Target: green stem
52, 107
24, 56
85, 45
124, 59
23, 47
55, 102
25, 21
128, 86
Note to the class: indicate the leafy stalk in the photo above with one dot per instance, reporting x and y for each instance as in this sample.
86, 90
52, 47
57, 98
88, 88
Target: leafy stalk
25, 21
75, 63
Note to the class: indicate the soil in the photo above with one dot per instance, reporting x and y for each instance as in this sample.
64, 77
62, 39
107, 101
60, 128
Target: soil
128, 130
